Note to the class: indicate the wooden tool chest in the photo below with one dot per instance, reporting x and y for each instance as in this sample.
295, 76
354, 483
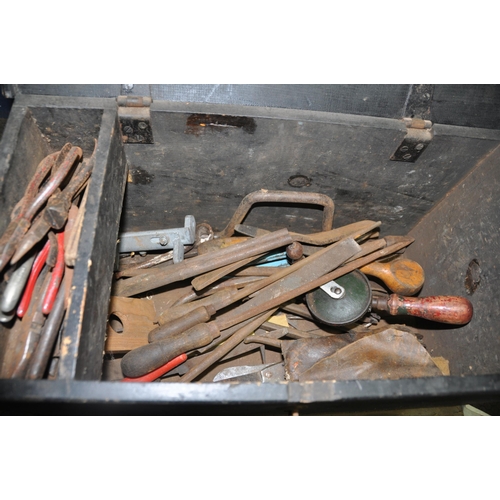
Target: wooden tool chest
421, 159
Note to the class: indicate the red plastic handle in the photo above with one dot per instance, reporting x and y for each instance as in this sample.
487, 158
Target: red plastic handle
151, 376
30, 284
56, 278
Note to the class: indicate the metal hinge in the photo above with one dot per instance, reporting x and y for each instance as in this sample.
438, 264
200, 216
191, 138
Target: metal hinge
418, 136
135, 119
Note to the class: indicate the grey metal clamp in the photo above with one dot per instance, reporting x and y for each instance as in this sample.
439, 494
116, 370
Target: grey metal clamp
161, 239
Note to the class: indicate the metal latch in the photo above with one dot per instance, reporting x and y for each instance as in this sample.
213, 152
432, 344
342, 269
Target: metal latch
418, 137
135, 119
333, 289
161, 239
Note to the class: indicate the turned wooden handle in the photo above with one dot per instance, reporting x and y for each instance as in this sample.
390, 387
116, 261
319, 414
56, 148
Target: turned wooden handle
441, 308
402, 276
179, 325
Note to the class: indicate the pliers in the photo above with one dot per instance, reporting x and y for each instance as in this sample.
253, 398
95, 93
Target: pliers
55, 213
56, 276
34, 198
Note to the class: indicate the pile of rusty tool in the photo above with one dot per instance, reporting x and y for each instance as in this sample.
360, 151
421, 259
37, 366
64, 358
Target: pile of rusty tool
38, 251
304, 305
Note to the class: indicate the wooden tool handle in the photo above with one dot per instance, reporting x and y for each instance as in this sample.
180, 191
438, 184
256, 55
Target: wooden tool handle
402, 276
179, 325
149, 357
441, 308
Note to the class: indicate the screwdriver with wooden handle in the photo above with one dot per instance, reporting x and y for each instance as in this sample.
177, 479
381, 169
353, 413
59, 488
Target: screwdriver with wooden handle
450, 309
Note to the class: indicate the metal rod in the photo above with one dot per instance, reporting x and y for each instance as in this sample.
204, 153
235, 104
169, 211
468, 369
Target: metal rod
41, 355
238, 282
207, 279
227, 346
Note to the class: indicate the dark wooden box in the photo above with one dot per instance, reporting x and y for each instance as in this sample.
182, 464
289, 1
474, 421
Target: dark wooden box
339, 140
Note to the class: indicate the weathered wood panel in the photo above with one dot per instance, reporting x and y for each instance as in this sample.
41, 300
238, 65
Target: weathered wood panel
462, 231
207, 171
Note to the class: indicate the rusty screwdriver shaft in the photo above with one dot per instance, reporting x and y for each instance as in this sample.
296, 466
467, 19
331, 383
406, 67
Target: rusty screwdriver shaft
222, 349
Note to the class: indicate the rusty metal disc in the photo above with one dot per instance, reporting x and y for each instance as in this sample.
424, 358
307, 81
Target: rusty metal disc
352, 307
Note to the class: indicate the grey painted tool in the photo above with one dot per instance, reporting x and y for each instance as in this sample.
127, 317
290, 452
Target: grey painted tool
161, 239
6, 318
15, 286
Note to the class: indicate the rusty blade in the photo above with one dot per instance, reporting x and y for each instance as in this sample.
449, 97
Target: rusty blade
294, 284
239, 282
355, 230
201, 282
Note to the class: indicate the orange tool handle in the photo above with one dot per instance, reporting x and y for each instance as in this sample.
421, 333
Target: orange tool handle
401, 276
151, 376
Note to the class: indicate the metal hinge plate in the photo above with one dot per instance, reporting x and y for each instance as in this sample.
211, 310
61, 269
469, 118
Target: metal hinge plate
135, 119
418, 136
